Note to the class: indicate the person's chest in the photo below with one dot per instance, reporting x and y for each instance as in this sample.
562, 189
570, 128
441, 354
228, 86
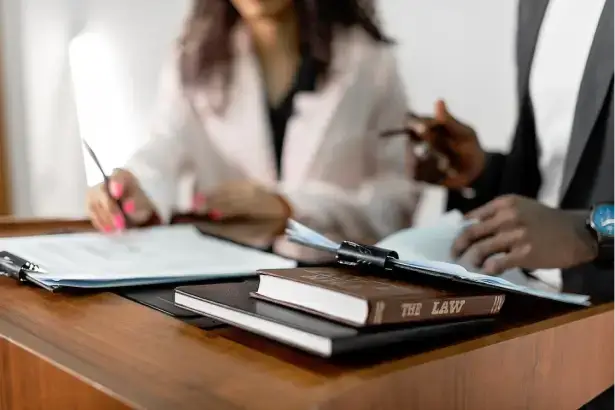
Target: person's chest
560, 57
322, 132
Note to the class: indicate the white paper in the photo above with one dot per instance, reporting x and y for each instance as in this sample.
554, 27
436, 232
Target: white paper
146, 255
430, 243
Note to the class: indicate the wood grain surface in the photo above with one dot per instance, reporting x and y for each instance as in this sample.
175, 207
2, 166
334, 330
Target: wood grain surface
101, 351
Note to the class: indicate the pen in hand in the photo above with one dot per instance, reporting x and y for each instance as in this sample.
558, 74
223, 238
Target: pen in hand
426, 136
107, 183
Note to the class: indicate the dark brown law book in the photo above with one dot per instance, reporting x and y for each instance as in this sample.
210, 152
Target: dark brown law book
347, 297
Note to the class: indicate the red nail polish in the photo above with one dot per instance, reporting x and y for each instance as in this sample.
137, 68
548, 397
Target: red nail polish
107, 229
198, 201
116, 189
119, 222
129, 206
215, 215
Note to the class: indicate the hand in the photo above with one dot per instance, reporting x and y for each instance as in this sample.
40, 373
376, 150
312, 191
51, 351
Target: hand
241, 199
458, 158
103, 210
513, 231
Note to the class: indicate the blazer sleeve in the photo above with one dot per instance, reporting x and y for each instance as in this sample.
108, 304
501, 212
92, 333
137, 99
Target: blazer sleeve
485, 188
384, 202
159, 162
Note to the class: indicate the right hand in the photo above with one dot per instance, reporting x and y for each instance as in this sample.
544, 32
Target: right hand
458, 158
103, 210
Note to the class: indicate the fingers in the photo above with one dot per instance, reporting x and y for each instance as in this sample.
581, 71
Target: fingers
124, 187
227, 205
500, 238
233, 199
97, 216
122, 182
137, 208
224, 202
501, 263
503, 242
103, 205
429, 169
489, 226
489, 209
441, 111
200, 204
103, 211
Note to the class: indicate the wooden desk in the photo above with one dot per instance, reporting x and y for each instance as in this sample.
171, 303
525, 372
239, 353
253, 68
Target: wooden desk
105, 352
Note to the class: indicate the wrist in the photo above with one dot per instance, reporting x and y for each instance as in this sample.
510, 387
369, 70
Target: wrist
587, 249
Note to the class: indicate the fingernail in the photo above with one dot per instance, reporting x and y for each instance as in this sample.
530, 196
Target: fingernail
129, 206
215, 215
115, 188
198, 201
119, 222
107, 229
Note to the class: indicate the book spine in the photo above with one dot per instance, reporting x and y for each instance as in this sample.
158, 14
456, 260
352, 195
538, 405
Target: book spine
390, 311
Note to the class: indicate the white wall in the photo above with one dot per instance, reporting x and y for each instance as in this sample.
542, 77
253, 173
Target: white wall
462, 51
45, 152
12, 82
459, 50
131, 40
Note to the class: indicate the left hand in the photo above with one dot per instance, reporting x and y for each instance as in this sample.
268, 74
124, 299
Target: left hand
524, 233
242, 199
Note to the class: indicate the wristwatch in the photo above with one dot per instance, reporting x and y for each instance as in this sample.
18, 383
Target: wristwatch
601, 224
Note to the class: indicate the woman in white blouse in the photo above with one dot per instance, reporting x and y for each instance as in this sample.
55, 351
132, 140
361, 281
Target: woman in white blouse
274, 107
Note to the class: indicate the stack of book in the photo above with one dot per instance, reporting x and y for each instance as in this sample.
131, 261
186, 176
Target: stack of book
375, 297
328, 311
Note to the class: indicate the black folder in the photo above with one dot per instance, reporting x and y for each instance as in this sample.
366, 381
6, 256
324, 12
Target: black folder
231, 303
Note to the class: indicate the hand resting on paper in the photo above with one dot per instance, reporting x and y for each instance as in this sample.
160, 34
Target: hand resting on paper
103, 210
241, 199
513, 231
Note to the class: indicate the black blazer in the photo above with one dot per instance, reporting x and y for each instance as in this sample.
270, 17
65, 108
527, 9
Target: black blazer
588, 175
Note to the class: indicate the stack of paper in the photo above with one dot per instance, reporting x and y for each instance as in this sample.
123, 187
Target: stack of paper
144, 256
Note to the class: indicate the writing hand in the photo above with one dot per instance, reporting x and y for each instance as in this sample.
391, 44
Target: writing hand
527, 234
103, 210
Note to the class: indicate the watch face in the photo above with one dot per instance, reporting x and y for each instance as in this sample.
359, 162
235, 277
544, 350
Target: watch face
603, 219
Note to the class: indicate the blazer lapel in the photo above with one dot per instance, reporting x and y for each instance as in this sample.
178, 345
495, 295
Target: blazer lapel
314, 112
531, 14
593, 90
241, 133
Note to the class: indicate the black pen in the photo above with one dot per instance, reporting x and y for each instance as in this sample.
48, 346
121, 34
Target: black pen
422, 150
107, 181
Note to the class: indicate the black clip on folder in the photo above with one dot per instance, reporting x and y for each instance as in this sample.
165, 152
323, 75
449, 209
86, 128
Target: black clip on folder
14, 267
384, 262
364, 256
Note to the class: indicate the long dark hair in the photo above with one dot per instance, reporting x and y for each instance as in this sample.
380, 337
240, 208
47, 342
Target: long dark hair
206, 43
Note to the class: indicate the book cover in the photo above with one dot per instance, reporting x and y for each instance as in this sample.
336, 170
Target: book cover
389, 301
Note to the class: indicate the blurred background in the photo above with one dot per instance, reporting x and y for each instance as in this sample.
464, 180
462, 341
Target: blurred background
89, 68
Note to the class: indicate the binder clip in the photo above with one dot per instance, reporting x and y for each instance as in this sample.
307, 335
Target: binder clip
15, 268
365, 256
